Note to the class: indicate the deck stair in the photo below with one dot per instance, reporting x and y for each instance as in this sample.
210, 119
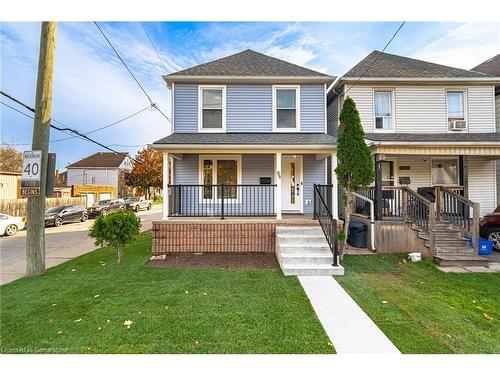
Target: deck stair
451, 248
304, 251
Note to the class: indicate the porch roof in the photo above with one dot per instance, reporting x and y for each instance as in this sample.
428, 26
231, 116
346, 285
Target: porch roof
247, 142
434, 137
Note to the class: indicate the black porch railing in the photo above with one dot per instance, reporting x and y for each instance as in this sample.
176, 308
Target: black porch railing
222, 200
324, 216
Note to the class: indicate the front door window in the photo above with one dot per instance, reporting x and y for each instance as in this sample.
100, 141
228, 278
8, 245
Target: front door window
291, 183
444, 172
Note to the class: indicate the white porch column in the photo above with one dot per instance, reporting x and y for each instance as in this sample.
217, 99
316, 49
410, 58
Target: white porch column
335, 188
164, 215
277, 179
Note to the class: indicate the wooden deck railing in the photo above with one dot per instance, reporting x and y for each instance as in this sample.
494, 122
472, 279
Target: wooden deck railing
457, 209
420, 212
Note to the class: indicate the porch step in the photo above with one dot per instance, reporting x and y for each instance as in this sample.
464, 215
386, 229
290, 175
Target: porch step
304, 251
461, 260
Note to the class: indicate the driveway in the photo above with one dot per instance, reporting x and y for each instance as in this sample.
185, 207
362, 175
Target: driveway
61, 244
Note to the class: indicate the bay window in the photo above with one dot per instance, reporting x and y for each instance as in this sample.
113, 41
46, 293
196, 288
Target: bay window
383, 110
212, 111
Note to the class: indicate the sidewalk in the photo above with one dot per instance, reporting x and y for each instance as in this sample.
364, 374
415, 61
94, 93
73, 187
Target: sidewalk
350, 330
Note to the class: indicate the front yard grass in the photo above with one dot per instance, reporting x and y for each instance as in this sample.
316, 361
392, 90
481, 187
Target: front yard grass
81, 307
424, 310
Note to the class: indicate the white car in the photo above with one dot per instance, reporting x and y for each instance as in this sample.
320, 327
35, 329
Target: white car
9, 225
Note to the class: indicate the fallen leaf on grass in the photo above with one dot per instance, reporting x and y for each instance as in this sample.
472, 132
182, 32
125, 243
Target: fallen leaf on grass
204, 294
127, 323
330, 344
54, 304
73, 270
59, 332
196, 342
108, 321
97, 296
487, 316
77, 320
384, 302
187, 292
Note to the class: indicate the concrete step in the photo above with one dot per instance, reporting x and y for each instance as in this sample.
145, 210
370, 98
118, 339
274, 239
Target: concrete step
300, 239
296, 230
312, 270
303, 248
306, 259
461, 260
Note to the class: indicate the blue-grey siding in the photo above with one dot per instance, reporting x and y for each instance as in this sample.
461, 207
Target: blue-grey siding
314, 173
249, 108
253, 166
185, 108
312, 108
332, 115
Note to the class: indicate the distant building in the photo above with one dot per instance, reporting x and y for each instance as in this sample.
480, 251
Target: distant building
10, 185
105, 169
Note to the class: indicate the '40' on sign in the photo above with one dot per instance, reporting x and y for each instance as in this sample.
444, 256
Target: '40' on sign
32, 165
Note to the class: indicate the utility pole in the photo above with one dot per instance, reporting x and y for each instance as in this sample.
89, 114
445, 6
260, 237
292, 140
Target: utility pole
35, 238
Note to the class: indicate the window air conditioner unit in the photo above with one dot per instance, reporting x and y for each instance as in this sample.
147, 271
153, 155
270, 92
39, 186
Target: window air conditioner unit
457, 125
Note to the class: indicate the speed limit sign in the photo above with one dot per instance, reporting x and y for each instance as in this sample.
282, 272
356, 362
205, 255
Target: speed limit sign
30, 179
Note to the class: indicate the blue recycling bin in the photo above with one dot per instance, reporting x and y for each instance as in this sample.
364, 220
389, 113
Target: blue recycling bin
485, 246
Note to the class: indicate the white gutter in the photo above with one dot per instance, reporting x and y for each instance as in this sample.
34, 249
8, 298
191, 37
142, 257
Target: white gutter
372, 219
242, 147
432, 143
424, 79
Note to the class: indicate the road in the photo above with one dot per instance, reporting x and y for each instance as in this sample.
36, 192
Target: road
62, 244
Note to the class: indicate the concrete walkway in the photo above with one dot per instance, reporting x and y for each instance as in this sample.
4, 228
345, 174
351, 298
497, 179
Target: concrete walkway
350, 330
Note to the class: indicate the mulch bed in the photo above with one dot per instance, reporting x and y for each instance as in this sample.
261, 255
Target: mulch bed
216, 260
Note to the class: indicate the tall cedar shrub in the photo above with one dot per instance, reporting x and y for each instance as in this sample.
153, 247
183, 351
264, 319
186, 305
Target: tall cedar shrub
355, 164
117, 230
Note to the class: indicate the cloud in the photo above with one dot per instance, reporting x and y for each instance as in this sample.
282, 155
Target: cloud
464, 46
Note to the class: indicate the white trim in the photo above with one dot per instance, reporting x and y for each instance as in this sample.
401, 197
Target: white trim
292, 79
165, 205
239, 174
200, 108
172, 110
277, 181
466, 108
494, 80
293, 149
432, 158
300, 176
335, 187
297, 109
393, 109
325, 109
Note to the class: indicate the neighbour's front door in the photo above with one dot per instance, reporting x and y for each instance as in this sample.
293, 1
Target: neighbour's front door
291, 183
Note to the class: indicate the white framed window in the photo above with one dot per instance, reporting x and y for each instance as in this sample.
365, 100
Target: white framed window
211, 108
218, 170
383, 110
444, 171
456, 110
286, 108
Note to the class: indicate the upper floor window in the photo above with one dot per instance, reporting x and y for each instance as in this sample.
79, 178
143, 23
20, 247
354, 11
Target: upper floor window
383, 110
212, 111
455, 104
286, 108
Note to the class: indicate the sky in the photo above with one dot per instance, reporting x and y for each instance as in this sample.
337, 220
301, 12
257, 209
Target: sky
92, 88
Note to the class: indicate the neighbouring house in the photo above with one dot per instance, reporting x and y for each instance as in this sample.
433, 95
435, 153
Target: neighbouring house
10, 185
249, 142
432, 132
492, 68
99, 176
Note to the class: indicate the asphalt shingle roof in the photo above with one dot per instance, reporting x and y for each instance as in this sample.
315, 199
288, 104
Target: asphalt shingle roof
388, 65
434, 137
490, 66
248, 139
101, 160
249, 63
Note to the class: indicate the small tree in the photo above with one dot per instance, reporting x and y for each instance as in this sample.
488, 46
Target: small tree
147, 171
117, 230
355, 164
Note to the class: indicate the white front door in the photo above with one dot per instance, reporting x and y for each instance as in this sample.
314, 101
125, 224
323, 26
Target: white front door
291, 183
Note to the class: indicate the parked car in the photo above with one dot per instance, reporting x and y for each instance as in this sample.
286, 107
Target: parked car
9, 225
104, 207
60, 215
489, 228
137, 203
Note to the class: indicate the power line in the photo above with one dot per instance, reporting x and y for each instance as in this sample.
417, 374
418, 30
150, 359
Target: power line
375, 60
152, 45
153, 104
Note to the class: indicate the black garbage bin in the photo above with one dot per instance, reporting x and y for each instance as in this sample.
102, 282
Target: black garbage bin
358, 232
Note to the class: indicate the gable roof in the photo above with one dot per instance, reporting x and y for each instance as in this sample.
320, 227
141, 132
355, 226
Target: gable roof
490, 66
246, 64
101, 160
384, 65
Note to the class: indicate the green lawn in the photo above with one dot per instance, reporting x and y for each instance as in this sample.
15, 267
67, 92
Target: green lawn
81, 306
424, 310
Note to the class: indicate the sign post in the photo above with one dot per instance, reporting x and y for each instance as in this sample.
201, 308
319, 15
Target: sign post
30, 179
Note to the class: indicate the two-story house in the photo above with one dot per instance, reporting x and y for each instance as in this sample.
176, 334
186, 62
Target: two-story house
432, 132
249, 141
